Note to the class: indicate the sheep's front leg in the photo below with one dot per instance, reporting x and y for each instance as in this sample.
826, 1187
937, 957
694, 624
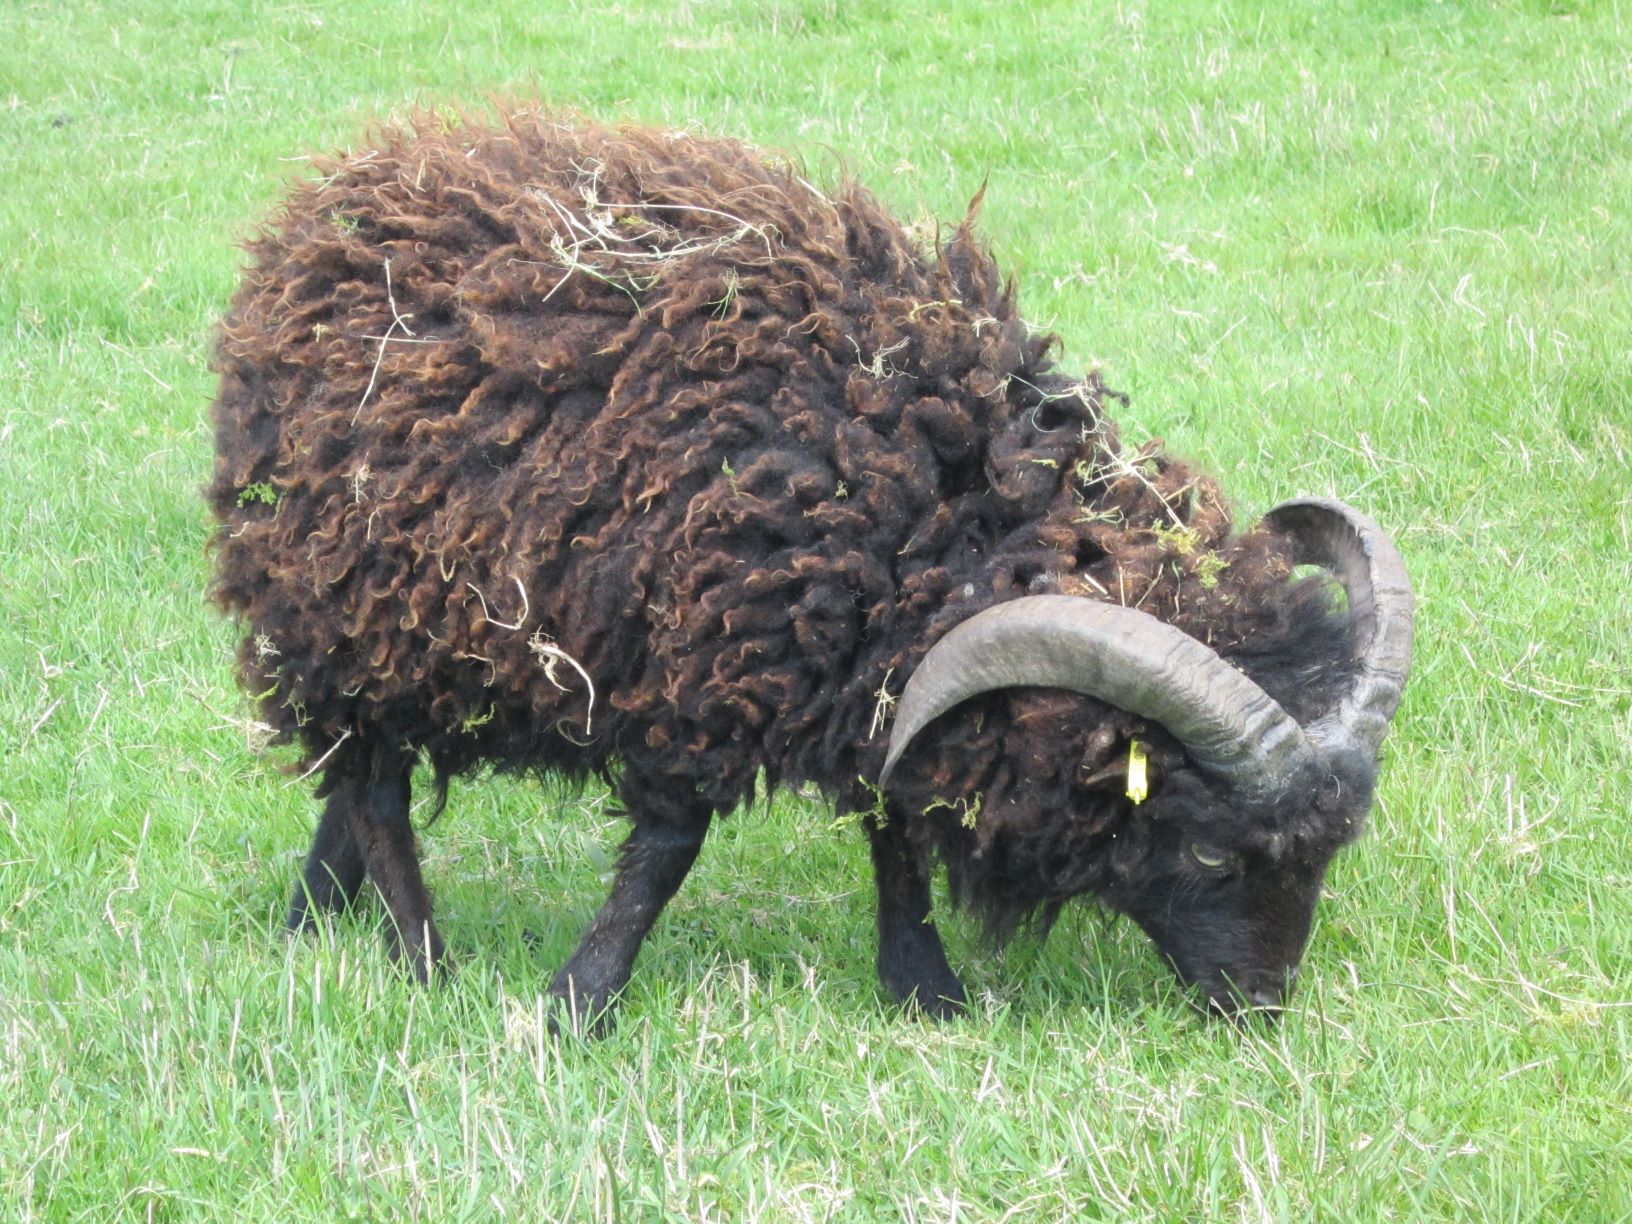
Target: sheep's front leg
651, 866
911, 961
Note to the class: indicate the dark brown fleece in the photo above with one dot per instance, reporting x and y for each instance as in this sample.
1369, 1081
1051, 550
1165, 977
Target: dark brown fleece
491, 395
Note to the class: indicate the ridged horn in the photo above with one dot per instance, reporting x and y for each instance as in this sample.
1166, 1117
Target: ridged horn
1129, 659
1328, 533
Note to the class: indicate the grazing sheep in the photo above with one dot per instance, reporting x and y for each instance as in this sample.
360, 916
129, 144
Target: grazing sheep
547, 446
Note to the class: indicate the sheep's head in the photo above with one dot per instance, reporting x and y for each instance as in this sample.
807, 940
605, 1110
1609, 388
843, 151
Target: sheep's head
1247, 806
1226, 888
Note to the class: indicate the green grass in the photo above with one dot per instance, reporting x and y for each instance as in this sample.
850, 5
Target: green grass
1374, 250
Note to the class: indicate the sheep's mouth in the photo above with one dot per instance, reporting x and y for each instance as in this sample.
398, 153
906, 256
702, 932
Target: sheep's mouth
1259, 998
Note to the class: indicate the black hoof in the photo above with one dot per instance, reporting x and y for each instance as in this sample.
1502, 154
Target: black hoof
947, 1003
424, 958
935, 996
580, 1012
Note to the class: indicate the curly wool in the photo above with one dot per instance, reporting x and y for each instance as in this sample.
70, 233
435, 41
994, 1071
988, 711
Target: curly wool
500, 403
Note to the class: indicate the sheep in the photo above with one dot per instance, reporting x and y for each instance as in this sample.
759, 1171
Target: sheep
624, 453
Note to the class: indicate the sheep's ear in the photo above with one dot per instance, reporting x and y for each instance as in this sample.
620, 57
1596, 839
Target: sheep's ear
1111, 775
1134, 772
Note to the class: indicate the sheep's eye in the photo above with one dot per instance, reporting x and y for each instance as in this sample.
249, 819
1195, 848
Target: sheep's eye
1208, 856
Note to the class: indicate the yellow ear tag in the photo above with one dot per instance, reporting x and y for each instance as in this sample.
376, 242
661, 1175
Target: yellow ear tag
1138, 776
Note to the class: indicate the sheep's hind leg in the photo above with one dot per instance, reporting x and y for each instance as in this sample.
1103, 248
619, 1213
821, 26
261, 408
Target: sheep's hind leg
651, 866
911, 961
365, 830
334, 865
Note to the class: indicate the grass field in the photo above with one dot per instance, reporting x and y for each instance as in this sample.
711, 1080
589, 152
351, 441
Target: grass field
1373, 250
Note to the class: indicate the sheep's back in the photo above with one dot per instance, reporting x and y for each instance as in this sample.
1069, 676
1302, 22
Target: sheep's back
501, 404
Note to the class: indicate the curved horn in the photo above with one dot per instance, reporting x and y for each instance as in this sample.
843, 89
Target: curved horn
1327, 533
1119, 655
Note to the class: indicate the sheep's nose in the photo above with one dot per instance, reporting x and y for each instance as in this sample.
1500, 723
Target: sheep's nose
1269, 997
1266, 1000
1243, 1006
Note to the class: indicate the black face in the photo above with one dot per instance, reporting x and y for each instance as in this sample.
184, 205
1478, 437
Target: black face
1232, 923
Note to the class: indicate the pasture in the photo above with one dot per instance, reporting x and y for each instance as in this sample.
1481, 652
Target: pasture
1375, 251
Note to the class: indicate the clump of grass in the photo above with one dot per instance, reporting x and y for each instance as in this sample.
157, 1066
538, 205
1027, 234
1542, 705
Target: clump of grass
968, 813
